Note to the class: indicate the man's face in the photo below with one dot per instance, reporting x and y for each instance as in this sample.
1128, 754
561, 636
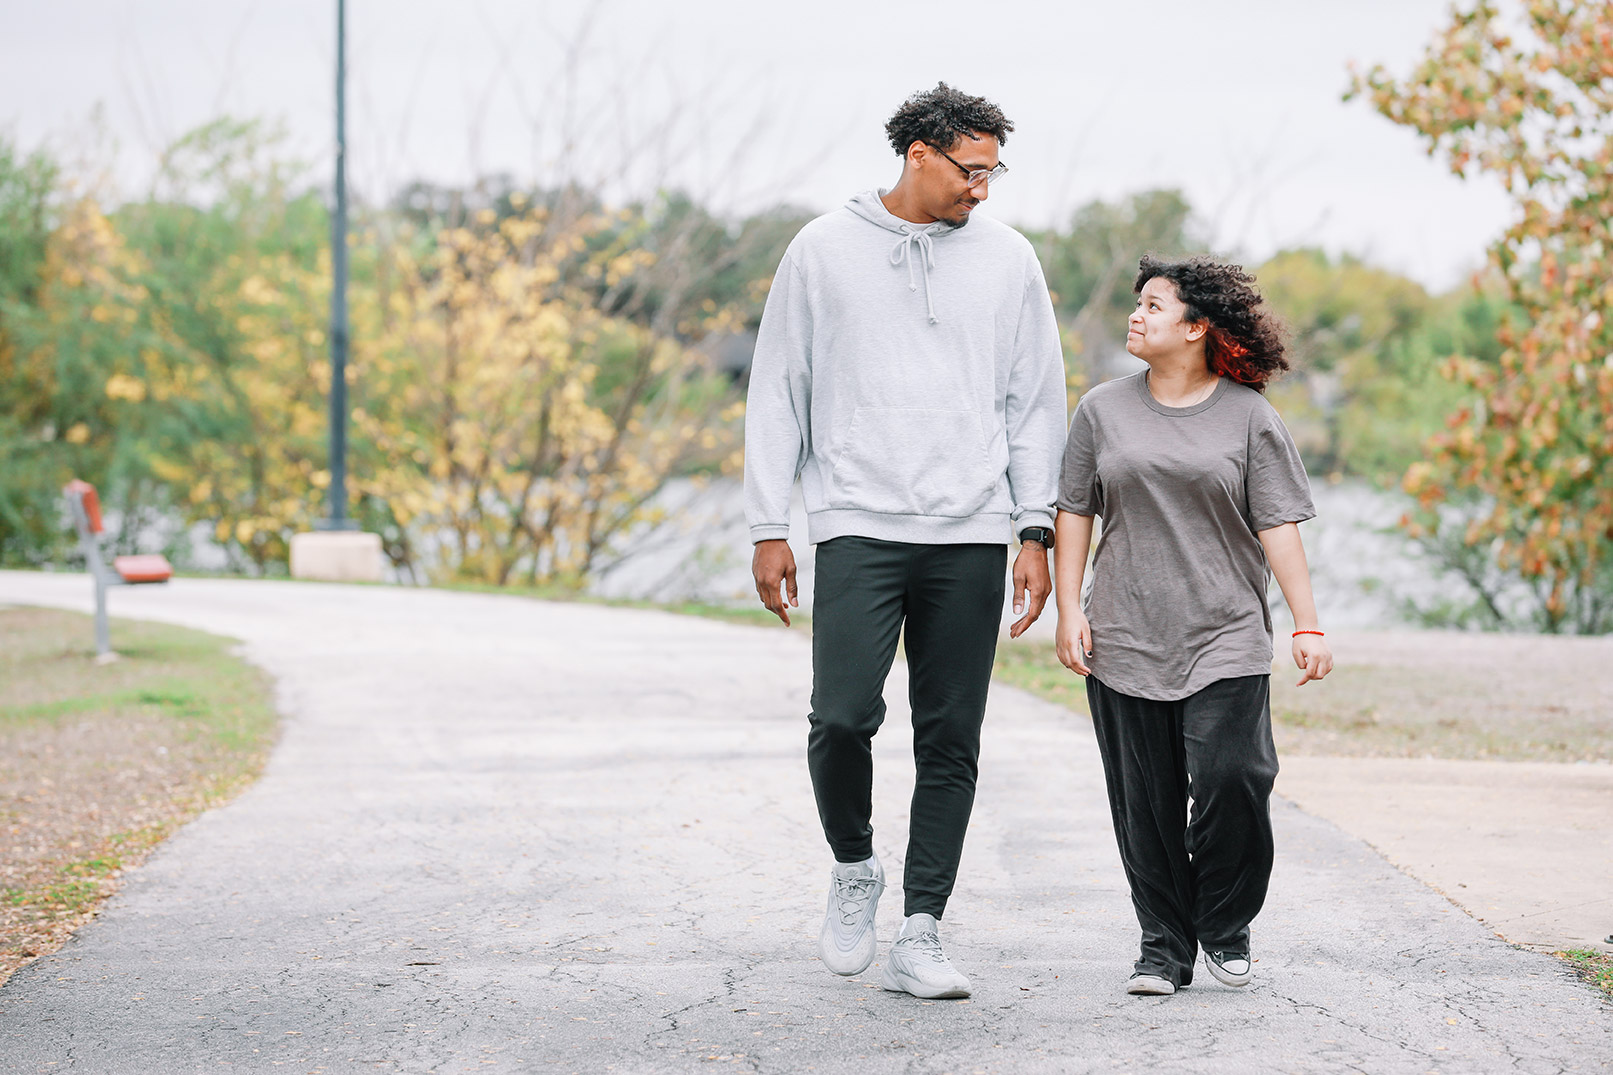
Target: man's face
943, 185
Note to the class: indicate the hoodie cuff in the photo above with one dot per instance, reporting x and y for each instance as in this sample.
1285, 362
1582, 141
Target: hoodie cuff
770, 532
1032, 518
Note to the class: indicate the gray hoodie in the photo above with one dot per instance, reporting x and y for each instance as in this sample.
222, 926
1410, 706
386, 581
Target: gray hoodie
912, 376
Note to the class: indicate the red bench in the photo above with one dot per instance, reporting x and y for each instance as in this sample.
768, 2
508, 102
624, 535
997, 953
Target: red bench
85, 507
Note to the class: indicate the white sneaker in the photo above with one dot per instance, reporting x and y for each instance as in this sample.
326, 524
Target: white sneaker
1149, 985
846, 943
917, 965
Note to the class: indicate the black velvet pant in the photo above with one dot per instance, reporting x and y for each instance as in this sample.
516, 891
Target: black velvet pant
950, 599
1196, 878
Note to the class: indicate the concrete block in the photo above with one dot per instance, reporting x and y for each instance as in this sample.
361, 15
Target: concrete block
336, 556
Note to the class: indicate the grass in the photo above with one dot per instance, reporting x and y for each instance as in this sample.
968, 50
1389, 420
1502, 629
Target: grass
98, 763
1593, 966
1035, 667
1440, 712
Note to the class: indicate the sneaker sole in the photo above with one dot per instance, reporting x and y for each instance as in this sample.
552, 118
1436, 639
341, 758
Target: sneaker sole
897, 983
1225, 977
824, 950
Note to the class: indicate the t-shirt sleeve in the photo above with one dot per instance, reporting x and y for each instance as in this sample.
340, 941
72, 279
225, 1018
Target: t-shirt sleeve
1279, 491
1080, 492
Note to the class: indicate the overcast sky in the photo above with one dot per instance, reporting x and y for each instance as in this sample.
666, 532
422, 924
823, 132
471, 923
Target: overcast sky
747, 103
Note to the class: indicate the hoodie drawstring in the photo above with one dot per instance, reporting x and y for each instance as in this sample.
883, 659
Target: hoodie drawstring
903, 251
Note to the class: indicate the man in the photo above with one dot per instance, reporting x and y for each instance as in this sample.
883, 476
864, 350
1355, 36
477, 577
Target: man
908, 369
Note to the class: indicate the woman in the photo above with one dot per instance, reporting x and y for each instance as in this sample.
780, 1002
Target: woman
1201, 490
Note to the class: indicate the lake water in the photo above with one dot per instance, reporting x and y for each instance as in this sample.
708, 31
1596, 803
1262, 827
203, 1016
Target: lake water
1361, 570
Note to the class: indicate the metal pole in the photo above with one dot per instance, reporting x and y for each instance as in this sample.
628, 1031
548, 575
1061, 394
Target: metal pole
103, 635
338, 299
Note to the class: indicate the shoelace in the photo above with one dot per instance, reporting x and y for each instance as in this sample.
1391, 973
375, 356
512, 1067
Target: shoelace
853, 894
1224, 958
927, 942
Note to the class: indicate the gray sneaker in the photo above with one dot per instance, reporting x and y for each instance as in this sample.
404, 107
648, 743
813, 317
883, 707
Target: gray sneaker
846, 943
918, 966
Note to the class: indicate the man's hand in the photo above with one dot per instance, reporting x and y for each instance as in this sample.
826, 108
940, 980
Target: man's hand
1031, 581
773, 565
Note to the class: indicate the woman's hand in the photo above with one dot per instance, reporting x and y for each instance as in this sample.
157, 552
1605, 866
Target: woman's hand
1074, 641
1074, 633
1285, 552
1313, 657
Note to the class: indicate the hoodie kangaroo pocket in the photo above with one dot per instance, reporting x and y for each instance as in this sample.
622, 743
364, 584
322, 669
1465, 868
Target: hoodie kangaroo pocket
900, 461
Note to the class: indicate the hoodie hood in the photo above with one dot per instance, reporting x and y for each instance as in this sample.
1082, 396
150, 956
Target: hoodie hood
915, 243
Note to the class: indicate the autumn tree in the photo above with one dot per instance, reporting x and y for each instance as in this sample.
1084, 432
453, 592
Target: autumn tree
702, 261
229, 354
1523, 478
30, 462
70, 313
522, 432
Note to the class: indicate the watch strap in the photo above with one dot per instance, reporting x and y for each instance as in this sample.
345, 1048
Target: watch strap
1039, 534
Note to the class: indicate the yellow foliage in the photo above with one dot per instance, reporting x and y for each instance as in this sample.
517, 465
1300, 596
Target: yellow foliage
123, 386
497, 412
506, 444
1531, 106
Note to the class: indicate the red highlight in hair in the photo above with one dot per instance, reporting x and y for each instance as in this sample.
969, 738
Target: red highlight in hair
1229, 358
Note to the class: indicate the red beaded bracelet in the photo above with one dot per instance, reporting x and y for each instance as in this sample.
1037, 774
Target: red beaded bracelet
1298, 633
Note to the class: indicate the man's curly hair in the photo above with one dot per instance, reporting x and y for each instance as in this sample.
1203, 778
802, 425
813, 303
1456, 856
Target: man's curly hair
1245, 339
943, 115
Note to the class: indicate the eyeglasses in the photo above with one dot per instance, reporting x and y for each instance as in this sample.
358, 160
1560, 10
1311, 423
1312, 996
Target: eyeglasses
976, 175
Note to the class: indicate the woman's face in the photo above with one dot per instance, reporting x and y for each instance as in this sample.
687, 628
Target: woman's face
1155, 328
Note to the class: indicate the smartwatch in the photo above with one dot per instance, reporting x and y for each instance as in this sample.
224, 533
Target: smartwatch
1040, 534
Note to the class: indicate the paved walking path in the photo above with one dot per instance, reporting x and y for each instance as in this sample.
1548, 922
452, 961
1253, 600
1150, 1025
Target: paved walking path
502, 835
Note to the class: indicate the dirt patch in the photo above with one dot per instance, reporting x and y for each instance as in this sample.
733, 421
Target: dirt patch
1447, 694
99, 762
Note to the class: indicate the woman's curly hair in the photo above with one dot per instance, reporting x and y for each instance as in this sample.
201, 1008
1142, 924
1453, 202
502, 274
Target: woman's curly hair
1245, 339
941, 116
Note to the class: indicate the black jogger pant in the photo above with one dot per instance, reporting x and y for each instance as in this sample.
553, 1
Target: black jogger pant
951, 599
1196, 880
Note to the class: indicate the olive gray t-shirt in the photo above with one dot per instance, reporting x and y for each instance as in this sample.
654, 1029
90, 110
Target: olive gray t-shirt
1178, 594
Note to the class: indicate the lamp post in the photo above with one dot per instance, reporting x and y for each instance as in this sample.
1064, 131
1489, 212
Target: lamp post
336, 500
335, 550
